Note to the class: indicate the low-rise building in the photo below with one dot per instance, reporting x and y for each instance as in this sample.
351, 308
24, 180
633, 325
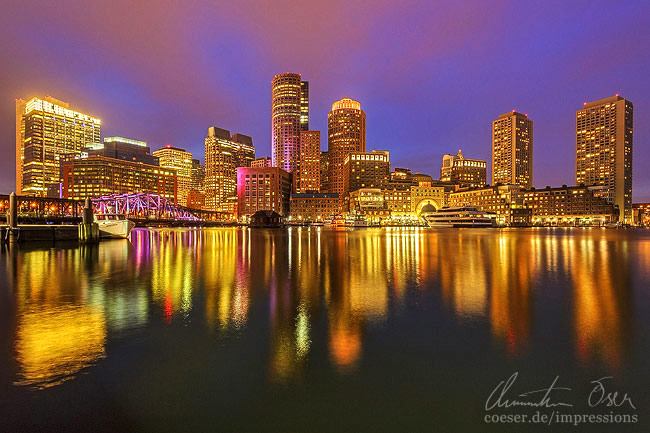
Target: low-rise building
505, 201
313, 206
568, 205
641, 214
262, 188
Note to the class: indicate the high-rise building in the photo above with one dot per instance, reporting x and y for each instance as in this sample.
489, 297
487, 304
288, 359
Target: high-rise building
98, 175
261, 162
324, 171
289, 115
196, 196
46, 130
346, 132
465, 172
263, 189
304, 105
512, 150
122, 148
223, 154
366, 170
309, 176
604, 132
181, 161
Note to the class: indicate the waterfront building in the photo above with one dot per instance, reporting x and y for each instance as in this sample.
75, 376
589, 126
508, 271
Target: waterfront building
425, 194
604, 133
368, 202
223, 155
506, 201
258, 188
263, 161
289, 115
397, 199
309, 173
366, 170
46, 130
313, 207
512, 150
641, 214
181, 161
98, 175
568, 205
346, 133
465, 172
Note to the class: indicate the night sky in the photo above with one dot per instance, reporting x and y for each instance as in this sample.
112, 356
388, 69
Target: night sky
431, 76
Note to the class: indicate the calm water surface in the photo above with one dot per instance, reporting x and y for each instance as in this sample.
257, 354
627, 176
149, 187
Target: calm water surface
319, 329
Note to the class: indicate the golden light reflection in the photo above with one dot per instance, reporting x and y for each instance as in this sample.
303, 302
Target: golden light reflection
53, 346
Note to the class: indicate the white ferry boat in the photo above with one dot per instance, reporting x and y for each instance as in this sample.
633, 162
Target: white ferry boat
464, 216
114, 225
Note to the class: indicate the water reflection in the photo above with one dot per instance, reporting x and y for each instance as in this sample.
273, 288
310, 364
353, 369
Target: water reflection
319, 288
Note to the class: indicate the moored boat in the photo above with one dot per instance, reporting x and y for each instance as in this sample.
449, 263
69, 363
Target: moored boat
463, 216
115, 226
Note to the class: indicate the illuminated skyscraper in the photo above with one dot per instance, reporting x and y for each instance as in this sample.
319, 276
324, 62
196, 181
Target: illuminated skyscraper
181, 161
304, 105
223, 154
466, 173
604, 150
309, 179
346, 132
324, 171
47, 129
289, 115
512, 150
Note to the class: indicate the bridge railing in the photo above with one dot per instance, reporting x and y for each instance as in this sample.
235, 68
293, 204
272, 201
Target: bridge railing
42, 207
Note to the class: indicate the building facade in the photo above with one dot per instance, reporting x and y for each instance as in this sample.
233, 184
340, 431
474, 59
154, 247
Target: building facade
46, 130
465, 172
223, 155
181, 161
324, 171
313, 207
288, 119
96, 176
261, 162
123, 148
573, 205
366, 170
506, 201
346, 133
512, 150
604, 133
309, 174
262, 189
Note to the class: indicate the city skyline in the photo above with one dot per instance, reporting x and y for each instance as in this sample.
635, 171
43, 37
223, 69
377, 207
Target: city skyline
412, 118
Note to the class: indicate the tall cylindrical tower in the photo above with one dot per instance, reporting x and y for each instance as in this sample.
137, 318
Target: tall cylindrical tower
346, 132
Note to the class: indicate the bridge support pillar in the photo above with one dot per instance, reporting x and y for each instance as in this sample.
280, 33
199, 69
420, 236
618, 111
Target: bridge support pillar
12, 219
88, 230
